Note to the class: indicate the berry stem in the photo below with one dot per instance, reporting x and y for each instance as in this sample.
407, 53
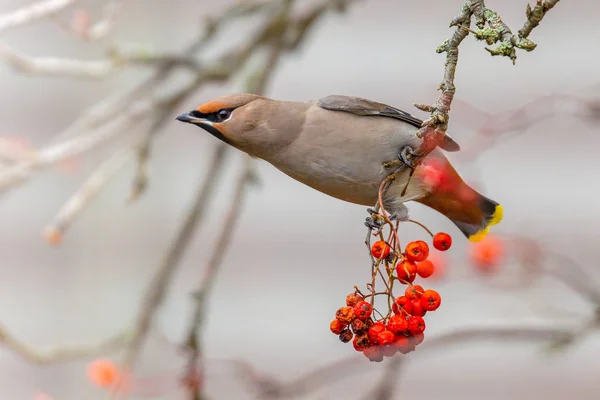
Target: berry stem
422, 226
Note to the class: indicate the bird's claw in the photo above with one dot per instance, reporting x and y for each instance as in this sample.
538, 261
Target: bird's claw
375, 221
408, 157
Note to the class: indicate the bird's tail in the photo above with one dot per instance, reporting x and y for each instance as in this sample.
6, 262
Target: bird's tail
473, 217
470, 211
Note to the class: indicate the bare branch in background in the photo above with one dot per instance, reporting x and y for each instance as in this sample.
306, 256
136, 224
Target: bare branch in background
56, 66
210, 274
32, 12
157, 290
54, 232
81, 27
62, 354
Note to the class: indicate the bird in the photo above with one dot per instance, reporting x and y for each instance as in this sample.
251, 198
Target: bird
338, 145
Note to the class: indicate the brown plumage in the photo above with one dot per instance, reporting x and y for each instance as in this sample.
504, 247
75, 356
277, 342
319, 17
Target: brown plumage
338, 144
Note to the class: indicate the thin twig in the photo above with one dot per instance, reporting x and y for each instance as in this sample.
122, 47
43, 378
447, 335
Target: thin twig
55, 231
32, 12
61, 354
157, 290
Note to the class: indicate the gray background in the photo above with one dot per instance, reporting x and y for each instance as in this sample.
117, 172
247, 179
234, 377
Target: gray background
296, 252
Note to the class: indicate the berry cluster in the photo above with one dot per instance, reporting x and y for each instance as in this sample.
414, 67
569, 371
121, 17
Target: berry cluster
400, 330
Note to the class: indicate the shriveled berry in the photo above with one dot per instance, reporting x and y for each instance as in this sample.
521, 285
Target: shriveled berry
346, 335
363, 310
358, 326
414, 292
397, 324
425, 269
416, 325
402, 306
406, 271
417, 308
336, 326
416, 251
373, 353
345, 314
375, 330
442, 241
368, 323
352, 299
360, 342
431, 300
386, 337
380, 249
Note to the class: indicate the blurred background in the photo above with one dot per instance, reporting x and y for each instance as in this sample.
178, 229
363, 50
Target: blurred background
529, 140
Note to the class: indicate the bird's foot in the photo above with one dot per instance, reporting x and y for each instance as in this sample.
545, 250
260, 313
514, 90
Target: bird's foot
408, 157
375, 221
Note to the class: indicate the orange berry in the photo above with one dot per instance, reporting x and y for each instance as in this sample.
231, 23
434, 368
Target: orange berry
442, 241
380, 249
425, 269
406, 271
103, 373
352, 299
336, 326
414, 291
439, 261
431, 300
345, 314
417, 251
487, 254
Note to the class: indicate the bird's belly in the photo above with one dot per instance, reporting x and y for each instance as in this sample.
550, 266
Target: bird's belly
356, 183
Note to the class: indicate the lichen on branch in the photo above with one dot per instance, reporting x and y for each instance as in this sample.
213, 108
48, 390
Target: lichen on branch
491, 29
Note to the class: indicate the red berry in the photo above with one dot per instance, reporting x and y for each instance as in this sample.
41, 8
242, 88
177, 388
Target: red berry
380, 249
375, 330
406, 271
397, 324
417, 308
389, 349
360, 342
431, 300
386, 337
416, 251
336, 326
402, 344
345, 314
442, 241
417, 339
416, 325
352, 299
402, 306
425, 269
346, 336
363, 310
414, 291
373, 353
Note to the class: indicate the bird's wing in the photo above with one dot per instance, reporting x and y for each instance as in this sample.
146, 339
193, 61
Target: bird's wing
364, 107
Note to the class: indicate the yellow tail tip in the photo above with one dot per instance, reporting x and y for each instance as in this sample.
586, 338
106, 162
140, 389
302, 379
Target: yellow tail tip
478, 237
496, 218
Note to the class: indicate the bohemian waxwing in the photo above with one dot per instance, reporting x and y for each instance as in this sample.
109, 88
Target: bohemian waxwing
338, 144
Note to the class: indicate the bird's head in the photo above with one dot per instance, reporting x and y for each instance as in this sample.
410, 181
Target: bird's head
229, 118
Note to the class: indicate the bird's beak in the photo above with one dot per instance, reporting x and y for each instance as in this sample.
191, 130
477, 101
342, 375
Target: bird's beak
186, 117
204, 124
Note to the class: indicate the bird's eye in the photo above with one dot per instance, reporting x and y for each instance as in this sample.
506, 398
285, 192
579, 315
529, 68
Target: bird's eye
222, 115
